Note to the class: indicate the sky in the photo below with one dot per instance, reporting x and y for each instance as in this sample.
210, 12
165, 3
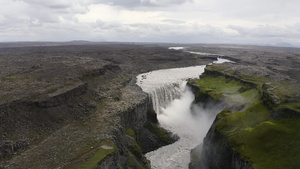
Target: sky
262, 22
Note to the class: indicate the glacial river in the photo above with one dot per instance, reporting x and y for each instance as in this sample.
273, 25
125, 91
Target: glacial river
172, 101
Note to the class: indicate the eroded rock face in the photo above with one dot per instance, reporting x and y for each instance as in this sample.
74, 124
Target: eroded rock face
58, 103
8, 148
256, 114
216, 153
142, 131
60, 100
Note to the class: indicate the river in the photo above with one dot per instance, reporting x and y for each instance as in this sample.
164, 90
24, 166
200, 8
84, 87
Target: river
172, 101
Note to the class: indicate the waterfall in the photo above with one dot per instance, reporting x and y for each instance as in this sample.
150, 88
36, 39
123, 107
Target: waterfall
172, 101
162, 96
165, 85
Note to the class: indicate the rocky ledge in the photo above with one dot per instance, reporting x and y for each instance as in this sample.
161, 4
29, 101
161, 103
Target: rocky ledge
77, 106
258, 126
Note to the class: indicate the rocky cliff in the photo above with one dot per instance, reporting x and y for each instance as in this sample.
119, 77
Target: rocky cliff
79, 107
216, 153
131, 129
248, 132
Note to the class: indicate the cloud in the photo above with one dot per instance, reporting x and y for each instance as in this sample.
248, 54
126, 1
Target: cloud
265, 31
215, 21
55, 4
122, 3
165, 2
181, 32
142, 3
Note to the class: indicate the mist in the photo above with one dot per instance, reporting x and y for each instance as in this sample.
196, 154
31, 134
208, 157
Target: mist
187, 119
190, 122
173, 102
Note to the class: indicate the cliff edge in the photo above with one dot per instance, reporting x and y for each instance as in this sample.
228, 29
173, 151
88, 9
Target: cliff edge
258, 127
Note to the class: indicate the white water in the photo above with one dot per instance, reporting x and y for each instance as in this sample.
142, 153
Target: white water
165, 85
204, 54
176, 48
172, 101
190, 123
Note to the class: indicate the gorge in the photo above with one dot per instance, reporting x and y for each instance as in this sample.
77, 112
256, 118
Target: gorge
85, 108
172, 101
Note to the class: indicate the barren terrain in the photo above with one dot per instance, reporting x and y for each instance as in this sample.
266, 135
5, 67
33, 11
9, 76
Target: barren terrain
61, 102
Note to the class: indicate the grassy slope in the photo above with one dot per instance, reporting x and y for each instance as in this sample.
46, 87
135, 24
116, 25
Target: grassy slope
93, 154
252, 132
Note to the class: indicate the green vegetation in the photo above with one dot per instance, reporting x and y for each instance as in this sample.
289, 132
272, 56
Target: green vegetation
92, 156
130, 133
101, 104
136, 150
132, 162
261, 140
13, 77
135, 157
265, 142
231, 91
161, 133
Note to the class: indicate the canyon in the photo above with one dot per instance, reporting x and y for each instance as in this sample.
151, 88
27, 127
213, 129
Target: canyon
78, 105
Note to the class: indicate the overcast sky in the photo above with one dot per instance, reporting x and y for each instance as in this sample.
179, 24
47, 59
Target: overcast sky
177, 21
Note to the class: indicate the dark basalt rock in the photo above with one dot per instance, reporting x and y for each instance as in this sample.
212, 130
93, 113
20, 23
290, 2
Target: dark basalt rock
216, 153
152, 137
9, 148
59, 99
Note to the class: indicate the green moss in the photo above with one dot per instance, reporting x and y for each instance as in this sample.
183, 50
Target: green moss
264, 142
219, 84
289, 109
285, 90
215, 95
132, 162
161, 133
101, 104
259, 139
130, 133
270, 144
97, 157
224, 113
251, 95
88, 146
136, 150
226, 89
13, 77
135, 157
92, 156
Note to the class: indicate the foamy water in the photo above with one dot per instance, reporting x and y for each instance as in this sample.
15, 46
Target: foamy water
165, 85
152, 80
176, 48
204, 54
172, 101
190, 123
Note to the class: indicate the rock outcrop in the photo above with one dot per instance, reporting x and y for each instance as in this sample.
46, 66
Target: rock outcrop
76, 106
249, 131
216, 153
72, 106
